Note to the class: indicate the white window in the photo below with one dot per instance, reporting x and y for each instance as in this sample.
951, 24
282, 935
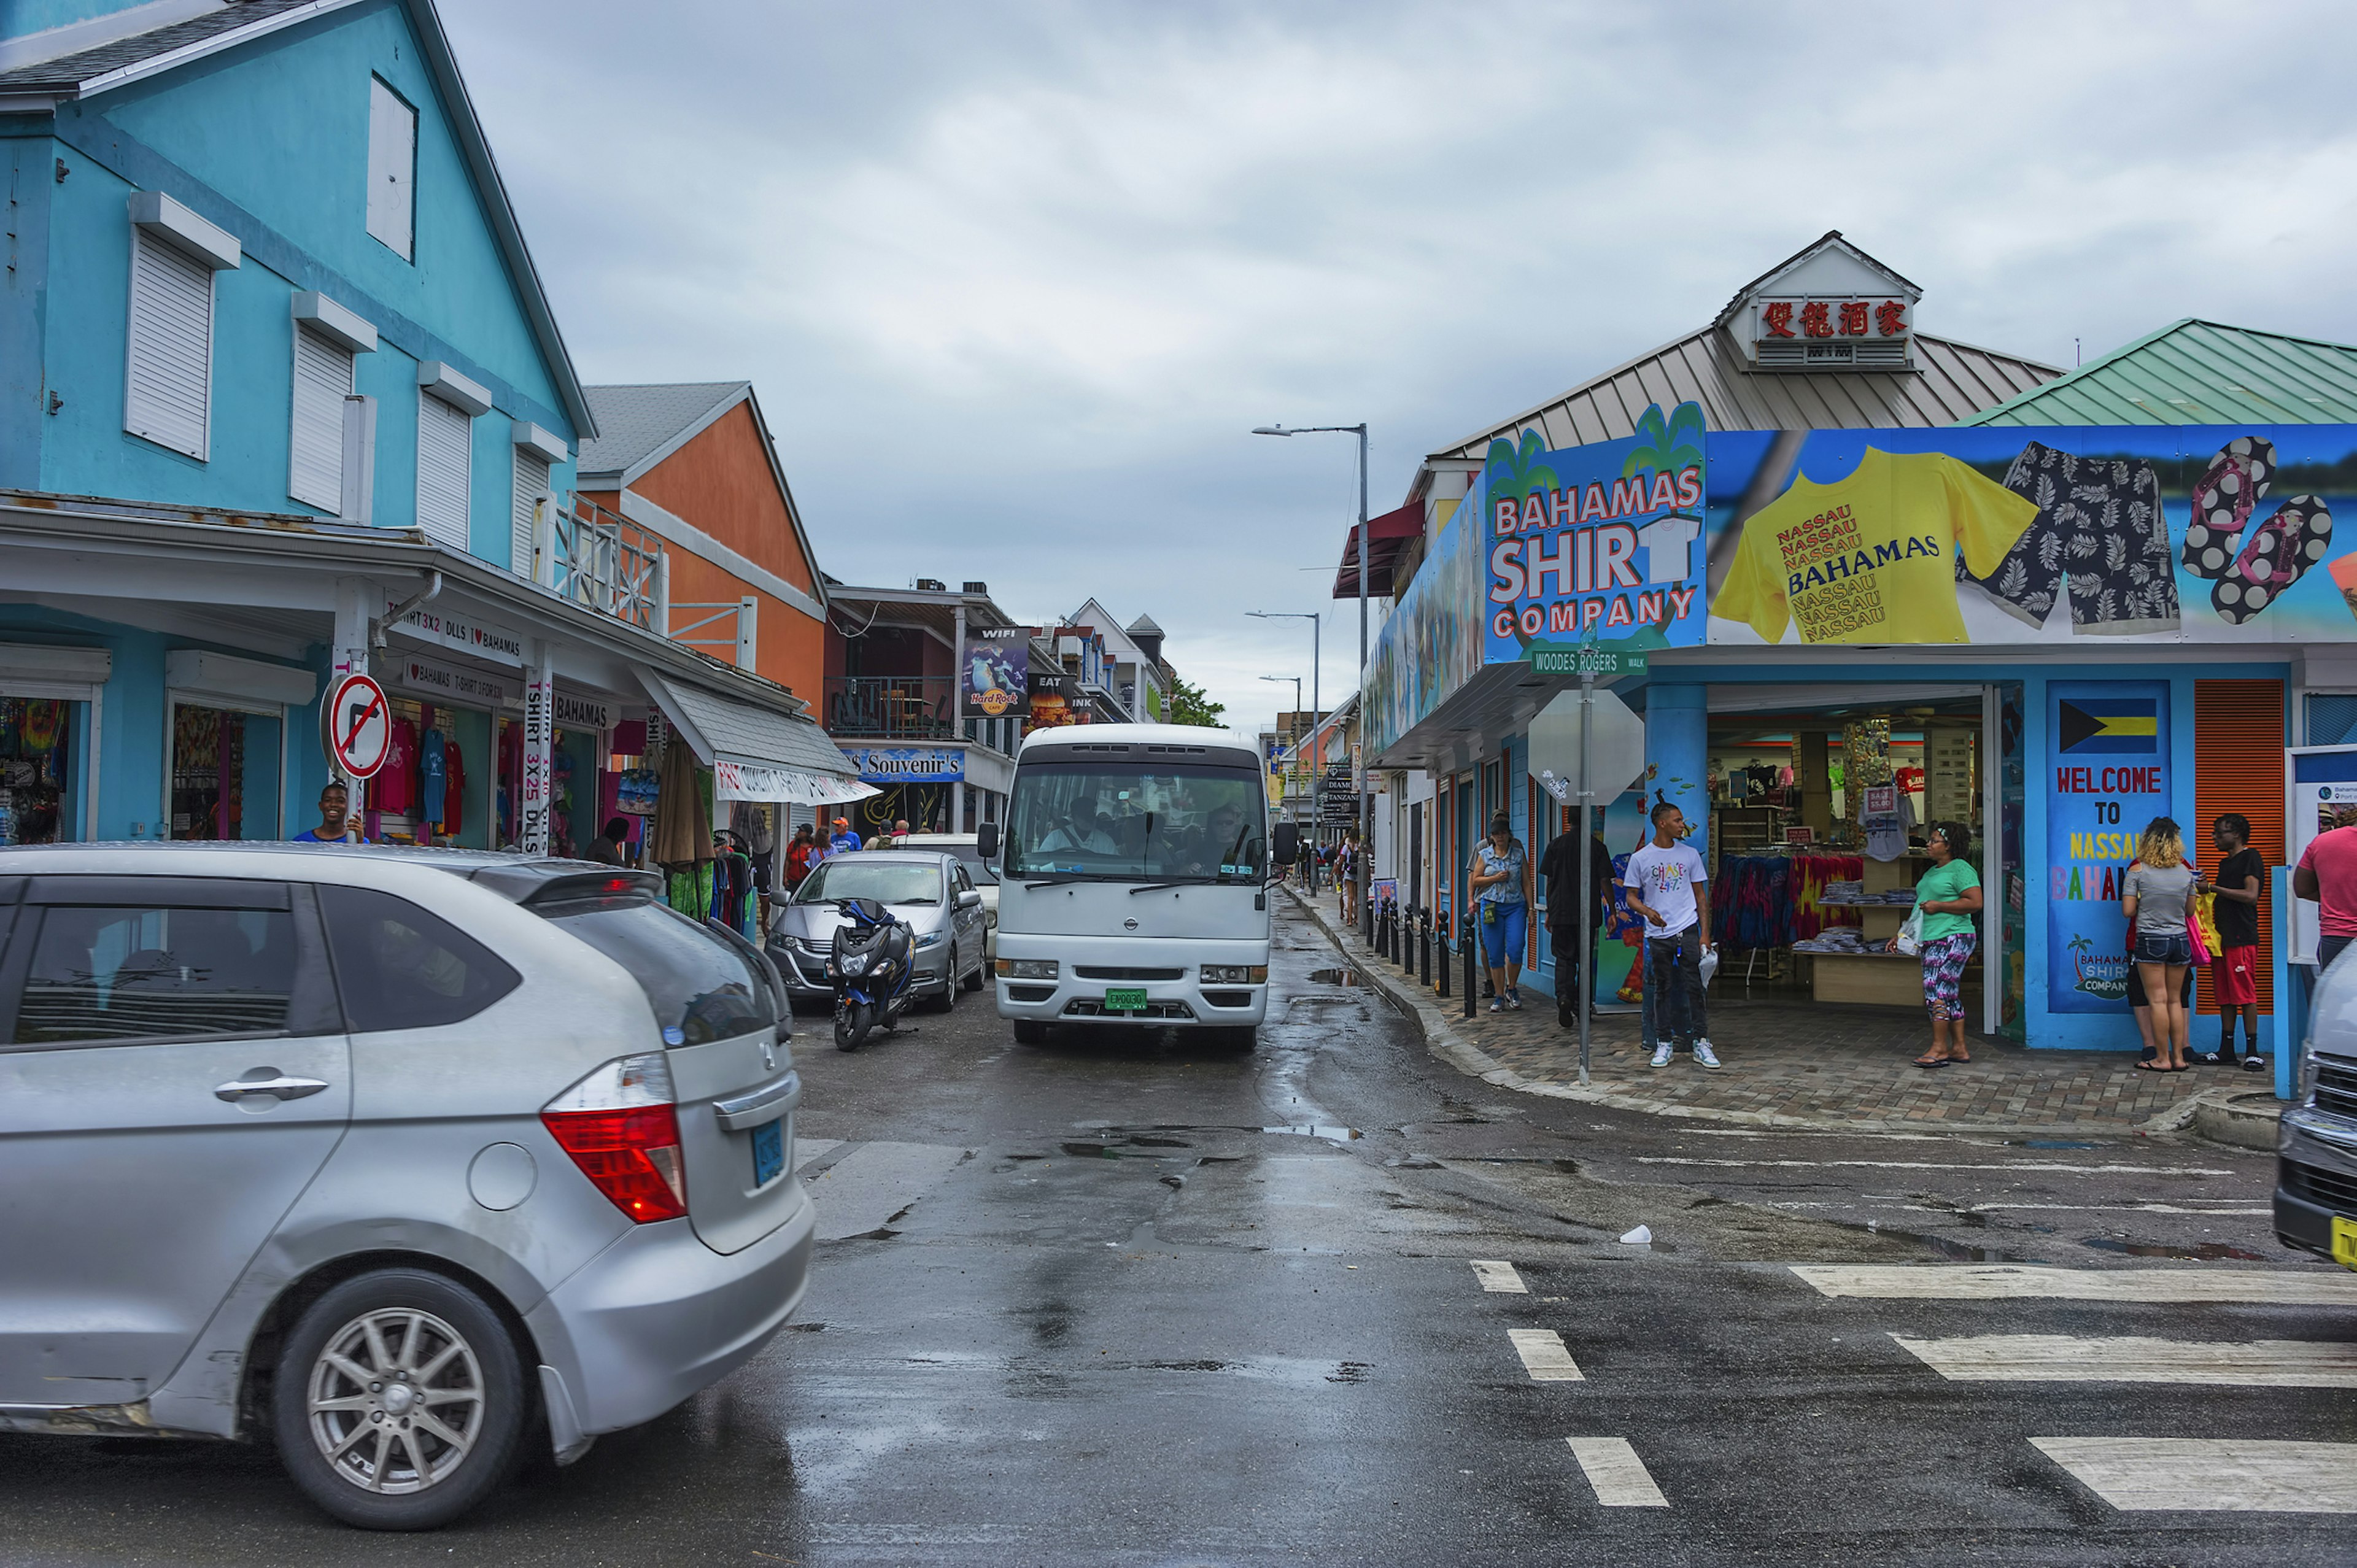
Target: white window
167, 392
531, 485
323, 379
392, 169
446, 440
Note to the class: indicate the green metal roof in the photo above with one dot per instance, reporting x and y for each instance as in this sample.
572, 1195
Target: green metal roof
2197, 372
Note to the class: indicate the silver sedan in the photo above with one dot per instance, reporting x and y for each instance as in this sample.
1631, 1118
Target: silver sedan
930, 890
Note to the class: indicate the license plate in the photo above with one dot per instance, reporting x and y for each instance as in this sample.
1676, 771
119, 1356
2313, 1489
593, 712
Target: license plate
768, 1151
2344, 1241
1125, 1001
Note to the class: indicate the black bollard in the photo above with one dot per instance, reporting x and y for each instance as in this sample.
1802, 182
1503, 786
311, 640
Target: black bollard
1440, 958
1423, 947
1469, 941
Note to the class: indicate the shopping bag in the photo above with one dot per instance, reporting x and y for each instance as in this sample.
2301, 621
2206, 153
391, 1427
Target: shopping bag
2202, 925
1910, 935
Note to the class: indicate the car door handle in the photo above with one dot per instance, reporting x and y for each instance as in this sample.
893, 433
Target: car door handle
281, 1088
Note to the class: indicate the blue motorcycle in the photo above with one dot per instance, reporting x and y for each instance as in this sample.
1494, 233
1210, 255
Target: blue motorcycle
871, 971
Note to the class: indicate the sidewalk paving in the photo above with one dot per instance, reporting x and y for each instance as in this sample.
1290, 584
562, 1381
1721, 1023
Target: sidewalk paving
1794, 1064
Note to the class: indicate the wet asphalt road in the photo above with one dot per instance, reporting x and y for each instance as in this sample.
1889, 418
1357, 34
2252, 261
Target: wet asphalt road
1118, 1301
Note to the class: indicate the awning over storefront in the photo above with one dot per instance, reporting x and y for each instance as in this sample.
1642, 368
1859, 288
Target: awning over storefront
754, 753
1386, 536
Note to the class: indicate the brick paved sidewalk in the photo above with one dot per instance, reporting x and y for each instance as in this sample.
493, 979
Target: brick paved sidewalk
1797, 1065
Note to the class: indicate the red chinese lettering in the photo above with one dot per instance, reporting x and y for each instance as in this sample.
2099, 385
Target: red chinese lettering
1816, 320
1853, 319
1891, 316
1778, 319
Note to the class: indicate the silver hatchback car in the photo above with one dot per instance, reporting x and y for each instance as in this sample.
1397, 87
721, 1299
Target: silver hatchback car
930, 890
407, 1157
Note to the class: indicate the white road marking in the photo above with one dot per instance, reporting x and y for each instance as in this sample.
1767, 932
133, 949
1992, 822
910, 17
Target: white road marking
1498, 1274
1544, 1356
2140, 1474
1618, 1477
2001, 1282
864, 1190
1932, 1165
2065, 1358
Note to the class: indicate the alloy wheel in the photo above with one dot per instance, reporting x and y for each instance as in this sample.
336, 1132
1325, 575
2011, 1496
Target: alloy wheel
395, 1400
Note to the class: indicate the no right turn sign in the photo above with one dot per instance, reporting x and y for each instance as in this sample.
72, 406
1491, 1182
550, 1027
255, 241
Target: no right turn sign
356, 723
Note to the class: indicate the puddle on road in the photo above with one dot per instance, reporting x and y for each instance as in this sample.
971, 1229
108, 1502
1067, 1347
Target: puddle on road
1954, 1251
1331, 1135
2200, 1252
1336, 977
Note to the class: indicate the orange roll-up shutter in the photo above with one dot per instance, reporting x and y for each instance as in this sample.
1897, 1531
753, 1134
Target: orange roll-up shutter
2238, 766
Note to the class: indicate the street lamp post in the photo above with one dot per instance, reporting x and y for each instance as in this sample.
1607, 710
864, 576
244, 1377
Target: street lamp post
1316, 626
1366, 814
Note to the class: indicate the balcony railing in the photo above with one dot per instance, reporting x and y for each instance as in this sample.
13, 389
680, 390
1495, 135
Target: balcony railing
607, 563
891, 707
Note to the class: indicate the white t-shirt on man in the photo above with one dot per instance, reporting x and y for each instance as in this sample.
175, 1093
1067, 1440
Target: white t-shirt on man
1664, 880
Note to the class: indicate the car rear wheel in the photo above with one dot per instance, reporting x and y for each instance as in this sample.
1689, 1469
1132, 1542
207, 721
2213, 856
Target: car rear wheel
399, 1401
1030, 1032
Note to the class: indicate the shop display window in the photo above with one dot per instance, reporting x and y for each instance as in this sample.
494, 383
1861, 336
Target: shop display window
36, 750
226, 765
429, 790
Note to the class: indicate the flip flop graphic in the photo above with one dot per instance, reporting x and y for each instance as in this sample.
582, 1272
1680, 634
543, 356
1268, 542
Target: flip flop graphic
2297, 537
2224, 497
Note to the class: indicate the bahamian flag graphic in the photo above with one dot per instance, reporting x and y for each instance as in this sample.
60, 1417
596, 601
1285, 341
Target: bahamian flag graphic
2118, 726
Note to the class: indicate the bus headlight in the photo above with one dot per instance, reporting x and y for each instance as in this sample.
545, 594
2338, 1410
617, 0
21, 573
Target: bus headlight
1027, 968
1235, 974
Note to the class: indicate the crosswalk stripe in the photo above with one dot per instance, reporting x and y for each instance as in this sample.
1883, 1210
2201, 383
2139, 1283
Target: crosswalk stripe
1619, 1478
1544, 1356
1936, 1166
1497, 1275
2139, 1473
1998, 1282
2064, 1358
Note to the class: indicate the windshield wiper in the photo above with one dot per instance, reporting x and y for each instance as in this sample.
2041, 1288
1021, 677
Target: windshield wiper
1149, 887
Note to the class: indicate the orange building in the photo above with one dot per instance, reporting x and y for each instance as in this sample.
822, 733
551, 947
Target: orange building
684, 475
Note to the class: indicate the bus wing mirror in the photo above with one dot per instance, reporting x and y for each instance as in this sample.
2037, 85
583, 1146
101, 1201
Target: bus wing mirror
1288, 843
986, 840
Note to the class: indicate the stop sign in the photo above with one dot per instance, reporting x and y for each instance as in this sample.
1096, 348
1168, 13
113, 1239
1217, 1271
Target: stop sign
1616, 745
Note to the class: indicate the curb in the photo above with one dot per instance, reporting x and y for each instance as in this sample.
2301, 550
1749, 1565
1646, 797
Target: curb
2243, 1119
1444, 1040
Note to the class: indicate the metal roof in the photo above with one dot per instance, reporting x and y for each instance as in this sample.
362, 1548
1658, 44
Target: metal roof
719, 726
639, 423
1951, 381
71, 72
2197, 373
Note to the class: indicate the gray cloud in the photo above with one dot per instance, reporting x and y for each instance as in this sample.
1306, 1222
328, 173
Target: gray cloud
1014, 281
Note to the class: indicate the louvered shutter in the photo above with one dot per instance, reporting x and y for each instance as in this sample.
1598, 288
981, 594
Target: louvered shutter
392, 169
531, 484
445, 452
2238, 766
323, 379
167, 394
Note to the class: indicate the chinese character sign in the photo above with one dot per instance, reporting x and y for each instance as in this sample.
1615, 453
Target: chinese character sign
1599, 544
1833, 319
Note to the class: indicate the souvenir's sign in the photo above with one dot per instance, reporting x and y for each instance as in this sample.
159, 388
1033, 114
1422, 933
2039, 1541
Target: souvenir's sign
2108, 775
908, 764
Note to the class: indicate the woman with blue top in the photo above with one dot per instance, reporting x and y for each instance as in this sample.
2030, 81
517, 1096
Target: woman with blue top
1947, 901
1501, 882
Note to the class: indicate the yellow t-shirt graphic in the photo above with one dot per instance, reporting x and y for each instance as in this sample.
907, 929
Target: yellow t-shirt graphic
1871, 559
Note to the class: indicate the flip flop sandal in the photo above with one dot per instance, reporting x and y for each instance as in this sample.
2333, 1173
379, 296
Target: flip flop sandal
1933, 1061
2297, 537
2223, 500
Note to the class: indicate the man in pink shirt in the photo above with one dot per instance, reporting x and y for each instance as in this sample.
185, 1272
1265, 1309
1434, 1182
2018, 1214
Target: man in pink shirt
2327, 874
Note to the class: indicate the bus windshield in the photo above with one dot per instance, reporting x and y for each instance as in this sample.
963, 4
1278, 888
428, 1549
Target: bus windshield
1184, 822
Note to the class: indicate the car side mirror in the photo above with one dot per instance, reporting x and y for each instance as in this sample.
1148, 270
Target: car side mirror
986, 840
969, 899
1288, 843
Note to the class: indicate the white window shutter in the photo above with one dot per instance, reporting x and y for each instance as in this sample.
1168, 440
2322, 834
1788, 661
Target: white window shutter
531, 484
323, 379
445, 469
167, 387
392, 169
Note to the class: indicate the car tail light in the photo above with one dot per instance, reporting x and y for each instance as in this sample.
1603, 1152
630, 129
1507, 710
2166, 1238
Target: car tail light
620, 1125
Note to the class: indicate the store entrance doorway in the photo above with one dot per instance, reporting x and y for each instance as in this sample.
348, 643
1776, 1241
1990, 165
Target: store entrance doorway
226, 768
1818, 817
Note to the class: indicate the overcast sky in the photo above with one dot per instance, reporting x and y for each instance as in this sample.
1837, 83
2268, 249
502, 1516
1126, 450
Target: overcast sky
1014, 281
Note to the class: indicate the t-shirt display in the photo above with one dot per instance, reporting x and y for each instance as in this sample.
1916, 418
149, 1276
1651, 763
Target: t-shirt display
1870, 559
395, 787
2238, 923
1664, 880
433, 778
455, 765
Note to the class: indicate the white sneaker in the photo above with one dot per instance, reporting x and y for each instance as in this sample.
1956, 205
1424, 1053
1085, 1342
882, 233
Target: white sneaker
1705, 1057
1514, 1001
1661, 1055
1497, 1004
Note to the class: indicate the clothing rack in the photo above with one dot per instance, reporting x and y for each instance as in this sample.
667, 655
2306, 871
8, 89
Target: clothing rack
1773, 900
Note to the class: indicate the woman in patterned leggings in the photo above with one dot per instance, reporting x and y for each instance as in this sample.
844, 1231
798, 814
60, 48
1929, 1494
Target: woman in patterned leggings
1948, 898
